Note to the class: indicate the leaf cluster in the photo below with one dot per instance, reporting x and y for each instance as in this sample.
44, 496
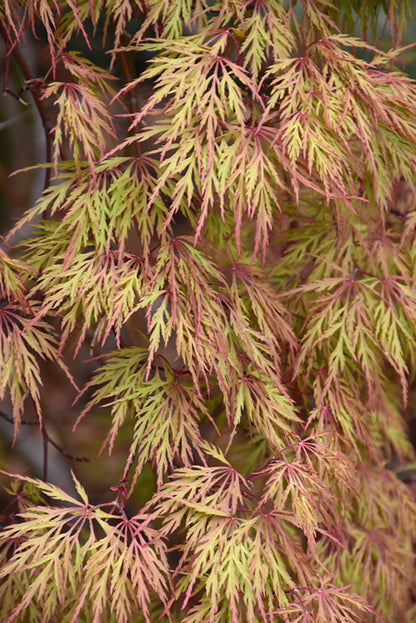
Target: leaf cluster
225, 258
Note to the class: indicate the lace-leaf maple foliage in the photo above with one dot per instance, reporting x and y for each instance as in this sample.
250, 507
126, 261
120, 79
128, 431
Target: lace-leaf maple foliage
228, 234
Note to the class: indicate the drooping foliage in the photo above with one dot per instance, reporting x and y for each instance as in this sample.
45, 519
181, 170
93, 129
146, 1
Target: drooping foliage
222, 265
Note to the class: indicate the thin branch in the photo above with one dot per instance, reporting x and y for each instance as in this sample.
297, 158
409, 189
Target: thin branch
45, 440
30, 80
80, 459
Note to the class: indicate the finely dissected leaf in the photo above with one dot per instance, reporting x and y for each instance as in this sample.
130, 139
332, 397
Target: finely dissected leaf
83, 118
173, 16
165, 407
264, 34
217, 490
360, 315
63, 552
228, 545
326, 602
12, 273
325, 97
243, 560
264, 405
123, 569
24, 342
52, 545
100, 291
108, 282
213, 101
177, 301
100, 210
120, 15
304, 481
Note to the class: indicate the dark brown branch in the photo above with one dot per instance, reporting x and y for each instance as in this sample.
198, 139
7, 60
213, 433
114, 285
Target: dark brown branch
45, 450
30, 80
45, 436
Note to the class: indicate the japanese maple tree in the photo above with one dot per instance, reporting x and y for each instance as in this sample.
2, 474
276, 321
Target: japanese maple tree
221, 267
